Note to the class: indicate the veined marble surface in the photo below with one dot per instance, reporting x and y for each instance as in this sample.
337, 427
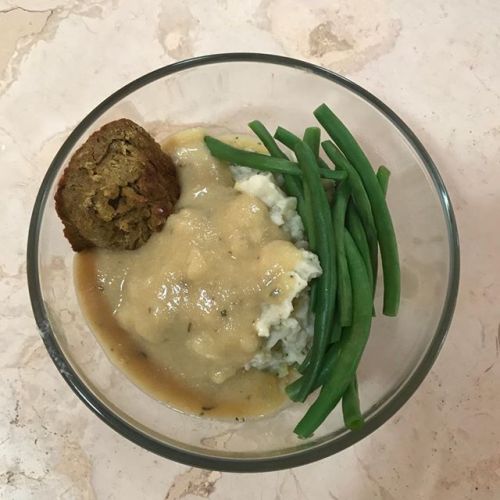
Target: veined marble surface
435, 63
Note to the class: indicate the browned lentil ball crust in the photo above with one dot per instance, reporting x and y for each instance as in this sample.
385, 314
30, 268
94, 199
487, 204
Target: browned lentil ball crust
118, 188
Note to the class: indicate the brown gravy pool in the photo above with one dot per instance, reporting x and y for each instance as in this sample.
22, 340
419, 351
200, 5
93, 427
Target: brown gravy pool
152, 350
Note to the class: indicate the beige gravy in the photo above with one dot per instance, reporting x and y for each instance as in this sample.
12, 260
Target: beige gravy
178, 315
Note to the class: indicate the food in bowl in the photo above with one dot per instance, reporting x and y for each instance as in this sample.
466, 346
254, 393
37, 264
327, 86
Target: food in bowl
118, 189
200, 297
254, 277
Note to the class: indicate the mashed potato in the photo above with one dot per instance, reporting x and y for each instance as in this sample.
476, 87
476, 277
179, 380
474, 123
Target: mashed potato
287, 326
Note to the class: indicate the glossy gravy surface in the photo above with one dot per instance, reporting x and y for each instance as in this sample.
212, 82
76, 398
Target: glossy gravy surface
178, 315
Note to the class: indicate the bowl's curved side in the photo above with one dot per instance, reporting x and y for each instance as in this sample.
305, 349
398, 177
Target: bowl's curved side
237, 464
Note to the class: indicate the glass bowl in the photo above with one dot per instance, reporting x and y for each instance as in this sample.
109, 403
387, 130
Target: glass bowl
229, 90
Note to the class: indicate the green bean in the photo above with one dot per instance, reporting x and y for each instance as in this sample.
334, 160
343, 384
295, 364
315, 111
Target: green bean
309, 215
289, 139
307, 221
348, 319
303, 366
312, 137
259, 161
331, 241
383, 174
327, 281
383, 221
314, 285
355, 225
336, 329
328, 363
333, 175
292, 184
358, 234
267, 139
313, 294
344, 292
350, 347
353, 418
360, 199
267, 163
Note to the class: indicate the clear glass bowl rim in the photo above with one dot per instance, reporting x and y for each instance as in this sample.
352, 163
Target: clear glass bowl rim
240, 464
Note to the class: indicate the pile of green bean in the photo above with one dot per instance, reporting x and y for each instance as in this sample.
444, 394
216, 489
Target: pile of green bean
346, 234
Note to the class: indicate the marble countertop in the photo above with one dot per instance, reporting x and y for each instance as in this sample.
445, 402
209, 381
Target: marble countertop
435, 63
